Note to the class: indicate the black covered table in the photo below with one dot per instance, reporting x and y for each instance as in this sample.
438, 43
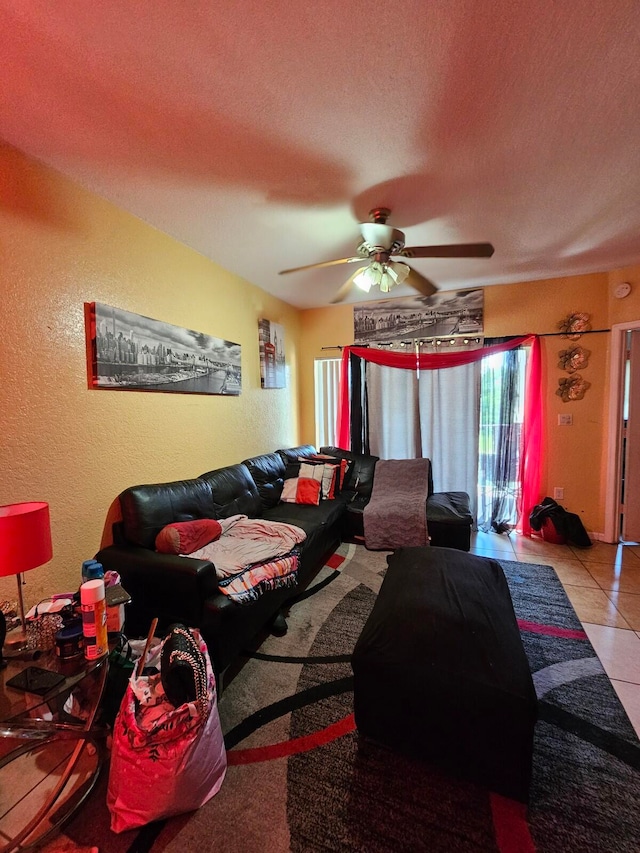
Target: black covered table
440, 671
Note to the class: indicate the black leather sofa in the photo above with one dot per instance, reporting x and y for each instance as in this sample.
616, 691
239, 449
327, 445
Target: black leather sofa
176, 589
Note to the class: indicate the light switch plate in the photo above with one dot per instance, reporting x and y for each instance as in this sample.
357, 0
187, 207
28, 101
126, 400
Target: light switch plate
565, 420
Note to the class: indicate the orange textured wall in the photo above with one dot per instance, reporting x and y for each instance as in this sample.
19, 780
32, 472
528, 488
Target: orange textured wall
61, 247
575, 456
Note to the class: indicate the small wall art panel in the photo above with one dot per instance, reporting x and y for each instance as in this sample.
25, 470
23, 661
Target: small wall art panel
272, 362
131, 352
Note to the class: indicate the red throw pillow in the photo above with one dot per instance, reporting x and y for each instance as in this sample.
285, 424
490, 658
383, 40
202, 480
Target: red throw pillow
185, 537
301, 490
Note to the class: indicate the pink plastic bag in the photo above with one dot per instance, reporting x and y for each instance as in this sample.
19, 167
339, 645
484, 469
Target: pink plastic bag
164, 760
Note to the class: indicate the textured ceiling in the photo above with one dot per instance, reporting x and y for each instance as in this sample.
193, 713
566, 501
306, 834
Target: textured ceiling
261, 133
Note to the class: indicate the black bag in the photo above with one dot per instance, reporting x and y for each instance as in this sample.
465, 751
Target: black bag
568, 525
548, 509
183, 670
576, 534
121, 665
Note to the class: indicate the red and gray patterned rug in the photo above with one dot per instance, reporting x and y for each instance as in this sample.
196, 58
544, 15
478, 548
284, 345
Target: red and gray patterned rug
300, 779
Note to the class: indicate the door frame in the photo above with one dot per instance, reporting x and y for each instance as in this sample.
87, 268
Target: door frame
614, 443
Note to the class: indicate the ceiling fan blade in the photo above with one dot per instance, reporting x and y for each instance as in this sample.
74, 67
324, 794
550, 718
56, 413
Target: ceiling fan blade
323, 264
346, 287
457, 250
420, 283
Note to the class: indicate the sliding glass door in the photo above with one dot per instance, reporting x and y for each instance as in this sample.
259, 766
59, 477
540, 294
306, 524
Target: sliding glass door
499, 439
475, 413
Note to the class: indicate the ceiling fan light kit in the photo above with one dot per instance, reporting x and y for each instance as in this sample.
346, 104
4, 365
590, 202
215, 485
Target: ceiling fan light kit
364, 278
385, 276
379, 242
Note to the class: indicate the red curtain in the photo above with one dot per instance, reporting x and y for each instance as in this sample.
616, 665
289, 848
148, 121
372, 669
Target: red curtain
531, 441
531, 447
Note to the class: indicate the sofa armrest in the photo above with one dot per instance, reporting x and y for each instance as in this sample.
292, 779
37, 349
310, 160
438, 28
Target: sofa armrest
161, 582
359, 478
449, 508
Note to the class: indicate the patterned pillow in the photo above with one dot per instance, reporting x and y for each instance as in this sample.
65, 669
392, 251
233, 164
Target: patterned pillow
301, 490
185, 537
327, 475
345, 465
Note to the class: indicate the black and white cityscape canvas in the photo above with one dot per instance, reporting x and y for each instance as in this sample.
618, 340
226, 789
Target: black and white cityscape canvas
136, 353
447, 314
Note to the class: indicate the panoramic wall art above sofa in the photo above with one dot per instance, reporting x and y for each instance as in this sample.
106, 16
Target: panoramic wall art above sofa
450, 314
131, 352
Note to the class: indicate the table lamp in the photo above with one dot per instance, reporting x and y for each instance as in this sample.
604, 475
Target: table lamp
25, 543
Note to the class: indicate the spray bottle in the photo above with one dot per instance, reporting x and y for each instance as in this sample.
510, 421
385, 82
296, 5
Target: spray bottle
94, 618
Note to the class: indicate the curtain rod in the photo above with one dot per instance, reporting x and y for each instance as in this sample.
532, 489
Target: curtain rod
572, 335
540, 335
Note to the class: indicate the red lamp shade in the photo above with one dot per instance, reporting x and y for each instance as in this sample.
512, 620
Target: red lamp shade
25, 537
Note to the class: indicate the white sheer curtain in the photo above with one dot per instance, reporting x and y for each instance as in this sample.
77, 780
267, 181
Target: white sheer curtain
394, 423
435, 417
449, 406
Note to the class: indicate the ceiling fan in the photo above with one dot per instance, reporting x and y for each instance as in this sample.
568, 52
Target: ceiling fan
380, 243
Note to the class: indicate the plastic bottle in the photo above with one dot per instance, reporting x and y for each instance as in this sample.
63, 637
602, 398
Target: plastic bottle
92, 569
85, 569
94, 618
96, 571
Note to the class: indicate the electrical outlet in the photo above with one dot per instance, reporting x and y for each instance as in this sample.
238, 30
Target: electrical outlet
565, 420
558, 493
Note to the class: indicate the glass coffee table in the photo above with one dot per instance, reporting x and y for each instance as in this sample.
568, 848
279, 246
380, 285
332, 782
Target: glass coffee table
50, 747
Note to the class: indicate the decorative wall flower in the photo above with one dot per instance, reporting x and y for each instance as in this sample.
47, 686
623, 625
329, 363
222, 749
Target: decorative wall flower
574, 325
574, 358
572, 387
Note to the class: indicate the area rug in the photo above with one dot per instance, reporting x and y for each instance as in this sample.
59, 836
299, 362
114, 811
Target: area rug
300, 779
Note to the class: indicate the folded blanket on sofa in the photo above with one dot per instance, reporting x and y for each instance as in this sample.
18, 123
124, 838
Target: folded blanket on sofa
396, 515
253, 555
251, 582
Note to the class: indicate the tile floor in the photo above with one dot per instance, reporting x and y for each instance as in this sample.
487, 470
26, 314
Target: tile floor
603, 585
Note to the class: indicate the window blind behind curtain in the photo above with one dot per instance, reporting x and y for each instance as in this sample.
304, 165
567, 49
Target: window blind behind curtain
326, 383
